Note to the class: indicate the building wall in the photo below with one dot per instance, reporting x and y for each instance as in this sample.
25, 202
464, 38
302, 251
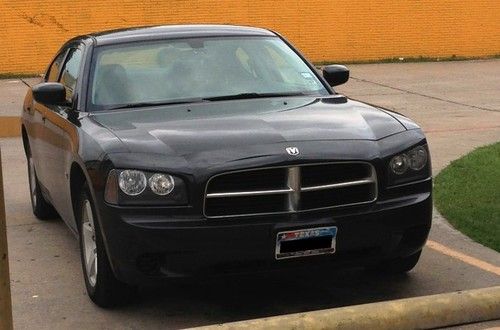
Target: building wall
325, 30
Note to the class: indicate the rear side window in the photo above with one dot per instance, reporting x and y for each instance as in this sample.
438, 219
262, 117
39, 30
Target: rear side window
53, 73
70, 71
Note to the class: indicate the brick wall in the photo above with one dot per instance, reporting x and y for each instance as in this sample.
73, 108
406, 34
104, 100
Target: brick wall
344, 30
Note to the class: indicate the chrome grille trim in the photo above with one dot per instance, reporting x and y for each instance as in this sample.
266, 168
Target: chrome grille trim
293, 190
293, 182
249, 193
339, 185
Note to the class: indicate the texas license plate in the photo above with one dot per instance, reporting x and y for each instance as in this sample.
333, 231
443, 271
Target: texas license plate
305, 242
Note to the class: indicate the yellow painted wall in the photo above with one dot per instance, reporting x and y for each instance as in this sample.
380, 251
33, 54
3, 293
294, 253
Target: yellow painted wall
32, 30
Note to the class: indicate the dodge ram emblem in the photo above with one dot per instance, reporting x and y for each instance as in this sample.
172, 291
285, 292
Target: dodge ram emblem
293, 151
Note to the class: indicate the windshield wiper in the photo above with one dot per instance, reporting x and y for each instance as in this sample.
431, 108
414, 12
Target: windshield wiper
242, 96
152, 104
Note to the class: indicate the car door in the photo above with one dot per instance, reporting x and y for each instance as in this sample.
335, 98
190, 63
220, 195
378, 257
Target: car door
61, 136
38, 145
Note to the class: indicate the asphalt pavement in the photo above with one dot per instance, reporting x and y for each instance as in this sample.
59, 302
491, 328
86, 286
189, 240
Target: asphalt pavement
456, 103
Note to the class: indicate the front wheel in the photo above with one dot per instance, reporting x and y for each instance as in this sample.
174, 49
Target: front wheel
102, 286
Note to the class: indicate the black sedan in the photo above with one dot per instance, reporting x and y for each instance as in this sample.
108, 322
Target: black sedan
176, 151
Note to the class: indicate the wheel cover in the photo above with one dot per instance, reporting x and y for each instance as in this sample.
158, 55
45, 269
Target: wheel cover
89, 243
32, 178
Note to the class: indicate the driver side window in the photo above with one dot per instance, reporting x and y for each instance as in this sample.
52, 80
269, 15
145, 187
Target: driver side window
70, 72
52, 74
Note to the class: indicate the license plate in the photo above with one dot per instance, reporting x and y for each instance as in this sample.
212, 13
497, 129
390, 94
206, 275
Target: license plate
305, 242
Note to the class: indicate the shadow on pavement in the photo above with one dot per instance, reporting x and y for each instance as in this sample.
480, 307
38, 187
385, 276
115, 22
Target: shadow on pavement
240, 297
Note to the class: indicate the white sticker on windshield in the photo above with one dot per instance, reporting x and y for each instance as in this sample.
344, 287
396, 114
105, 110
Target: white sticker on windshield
307, 75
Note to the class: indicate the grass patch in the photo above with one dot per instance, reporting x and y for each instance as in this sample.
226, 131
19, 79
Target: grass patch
467, 193
410, 60
11, 75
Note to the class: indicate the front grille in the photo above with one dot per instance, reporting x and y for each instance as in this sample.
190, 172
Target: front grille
290, 189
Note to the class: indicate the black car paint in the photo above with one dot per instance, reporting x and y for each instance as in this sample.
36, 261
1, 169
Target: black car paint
199, 140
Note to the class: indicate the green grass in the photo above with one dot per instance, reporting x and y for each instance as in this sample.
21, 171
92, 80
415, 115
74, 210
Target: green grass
467, 193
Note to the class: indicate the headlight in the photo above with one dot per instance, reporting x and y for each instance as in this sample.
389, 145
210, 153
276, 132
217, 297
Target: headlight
161, 184
399, 164
132, 182
418, 158
134, 187
411, 165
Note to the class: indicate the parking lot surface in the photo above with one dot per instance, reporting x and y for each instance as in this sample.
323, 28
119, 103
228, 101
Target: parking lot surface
456, 103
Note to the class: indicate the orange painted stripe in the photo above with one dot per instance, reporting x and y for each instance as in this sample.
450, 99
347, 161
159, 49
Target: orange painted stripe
464, 258
10, 126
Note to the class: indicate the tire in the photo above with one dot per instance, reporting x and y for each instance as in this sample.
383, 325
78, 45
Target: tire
42, 209
102, 286
397, 266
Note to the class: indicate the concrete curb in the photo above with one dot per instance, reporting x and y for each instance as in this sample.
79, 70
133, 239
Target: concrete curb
426, 312
10, 126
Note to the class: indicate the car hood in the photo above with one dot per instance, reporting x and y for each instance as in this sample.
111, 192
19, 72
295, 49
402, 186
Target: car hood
200, 127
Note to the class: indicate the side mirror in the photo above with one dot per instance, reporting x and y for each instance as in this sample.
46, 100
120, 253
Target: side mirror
50, 93
336, 74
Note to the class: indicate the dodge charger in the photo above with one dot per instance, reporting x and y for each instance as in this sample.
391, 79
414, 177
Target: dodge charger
197, 150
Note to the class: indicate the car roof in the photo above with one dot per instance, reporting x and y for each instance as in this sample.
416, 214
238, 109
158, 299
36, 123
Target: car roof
174, 31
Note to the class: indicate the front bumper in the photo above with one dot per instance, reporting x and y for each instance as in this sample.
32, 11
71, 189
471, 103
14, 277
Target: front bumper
146, 245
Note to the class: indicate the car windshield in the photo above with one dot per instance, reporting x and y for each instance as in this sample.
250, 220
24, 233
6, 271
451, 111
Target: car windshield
198, 70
